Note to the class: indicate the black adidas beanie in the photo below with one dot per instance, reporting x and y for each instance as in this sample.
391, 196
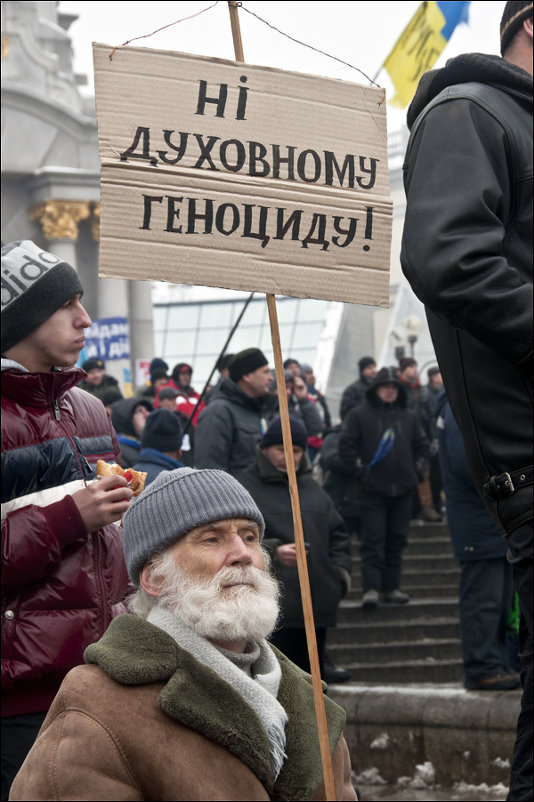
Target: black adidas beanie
35, 284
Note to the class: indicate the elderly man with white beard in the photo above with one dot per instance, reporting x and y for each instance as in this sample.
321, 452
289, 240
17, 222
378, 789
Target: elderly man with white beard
185, 699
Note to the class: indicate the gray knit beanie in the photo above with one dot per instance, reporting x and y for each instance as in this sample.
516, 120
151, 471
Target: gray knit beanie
176, 502
35, 284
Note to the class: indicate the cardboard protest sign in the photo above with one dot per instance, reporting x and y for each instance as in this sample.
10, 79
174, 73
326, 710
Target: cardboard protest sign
244, 177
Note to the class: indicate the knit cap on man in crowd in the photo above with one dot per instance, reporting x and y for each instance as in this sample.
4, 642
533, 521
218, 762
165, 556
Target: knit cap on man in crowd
62, 562
34, 285
161, 444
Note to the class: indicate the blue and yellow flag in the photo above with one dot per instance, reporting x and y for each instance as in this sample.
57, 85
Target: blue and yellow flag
420, 44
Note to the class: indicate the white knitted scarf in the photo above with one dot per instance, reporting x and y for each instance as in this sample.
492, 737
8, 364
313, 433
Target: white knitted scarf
259, 692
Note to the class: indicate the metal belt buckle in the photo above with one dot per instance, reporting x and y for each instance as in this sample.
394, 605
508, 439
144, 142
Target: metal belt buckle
502, 485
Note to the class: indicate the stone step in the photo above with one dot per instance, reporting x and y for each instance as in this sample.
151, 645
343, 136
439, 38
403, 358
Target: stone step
397, 652
425, 545
428, 531
352, 611
447, 576
366, 632
428, 562
426, 591
406, 672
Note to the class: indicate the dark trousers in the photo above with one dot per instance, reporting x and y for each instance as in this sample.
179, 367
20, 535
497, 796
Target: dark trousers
520, 557
486, 592
436, 484
292, 642
385, 521
18, 736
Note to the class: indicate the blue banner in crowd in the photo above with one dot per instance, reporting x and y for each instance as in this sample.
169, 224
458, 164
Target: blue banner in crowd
108, 338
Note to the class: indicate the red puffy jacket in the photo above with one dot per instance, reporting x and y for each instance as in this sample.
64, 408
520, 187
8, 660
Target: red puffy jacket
60, 585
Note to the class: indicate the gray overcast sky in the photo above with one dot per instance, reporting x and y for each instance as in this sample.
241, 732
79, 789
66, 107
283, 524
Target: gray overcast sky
361, 33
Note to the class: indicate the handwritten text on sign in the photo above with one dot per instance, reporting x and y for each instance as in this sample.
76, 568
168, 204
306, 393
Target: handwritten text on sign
243, 177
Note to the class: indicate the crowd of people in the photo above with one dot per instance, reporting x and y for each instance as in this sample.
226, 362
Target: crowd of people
153, 645
362, 479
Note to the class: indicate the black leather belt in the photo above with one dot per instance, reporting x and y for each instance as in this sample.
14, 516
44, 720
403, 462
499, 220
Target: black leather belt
506, 484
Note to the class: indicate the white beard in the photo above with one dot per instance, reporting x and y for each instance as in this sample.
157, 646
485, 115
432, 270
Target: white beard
215, 612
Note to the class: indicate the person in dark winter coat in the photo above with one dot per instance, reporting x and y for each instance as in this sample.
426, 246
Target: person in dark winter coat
167, 399
63, 573
234, 421
315, 395
486, 584
434, 386
467, 252
385, 446
339, 481
129, 417
354, 394
158, 377
328, 542
222, 366
418, 398
97, 382
161, 441
299, 404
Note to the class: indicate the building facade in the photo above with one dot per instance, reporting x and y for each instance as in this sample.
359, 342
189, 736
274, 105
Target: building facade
51, 167
50, 193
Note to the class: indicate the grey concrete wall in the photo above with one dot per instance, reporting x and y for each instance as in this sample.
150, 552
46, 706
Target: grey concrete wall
466, 736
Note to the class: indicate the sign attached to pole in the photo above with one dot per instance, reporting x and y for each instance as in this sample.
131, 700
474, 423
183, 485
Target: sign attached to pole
244, 177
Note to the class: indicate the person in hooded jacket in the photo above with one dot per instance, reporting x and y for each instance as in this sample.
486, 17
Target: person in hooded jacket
384, 445
327, 540
467, 253
128, 416
188, 400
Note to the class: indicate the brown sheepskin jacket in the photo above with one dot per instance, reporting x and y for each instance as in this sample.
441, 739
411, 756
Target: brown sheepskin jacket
146, 721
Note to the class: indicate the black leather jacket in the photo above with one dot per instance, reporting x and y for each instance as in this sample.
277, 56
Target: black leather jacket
467, 252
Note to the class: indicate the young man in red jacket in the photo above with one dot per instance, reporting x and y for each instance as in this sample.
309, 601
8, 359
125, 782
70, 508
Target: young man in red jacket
63, 571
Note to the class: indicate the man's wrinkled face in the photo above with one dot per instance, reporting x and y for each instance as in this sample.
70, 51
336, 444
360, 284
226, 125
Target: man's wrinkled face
215, 580
207, 549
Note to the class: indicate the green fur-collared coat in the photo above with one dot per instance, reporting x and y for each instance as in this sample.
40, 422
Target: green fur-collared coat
144, 720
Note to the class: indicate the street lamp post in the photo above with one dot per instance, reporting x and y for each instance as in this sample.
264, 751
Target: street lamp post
413, 326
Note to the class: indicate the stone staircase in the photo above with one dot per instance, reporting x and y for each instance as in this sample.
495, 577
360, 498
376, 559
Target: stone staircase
406, 705
414, 643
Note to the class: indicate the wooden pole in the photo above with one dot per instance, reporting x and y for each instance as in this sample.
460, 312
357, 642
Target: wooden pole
302, 565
